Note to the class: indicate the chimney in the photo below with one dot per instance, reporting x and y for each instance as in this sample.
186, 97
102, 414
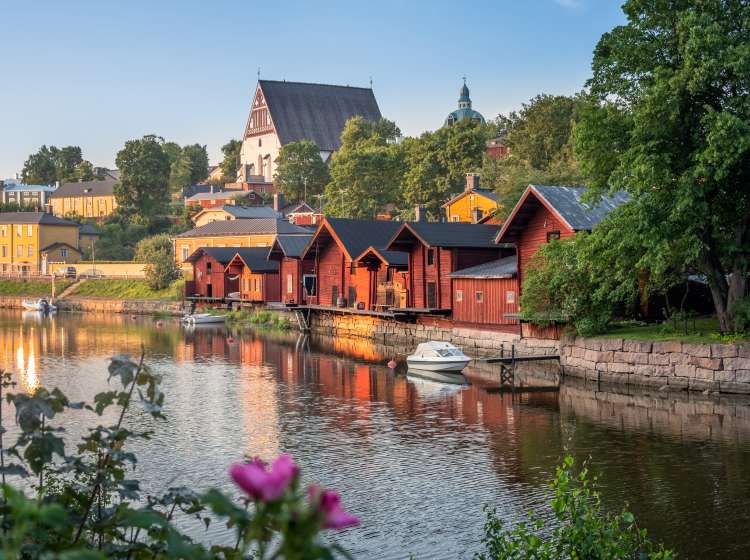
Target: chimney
472, 181
419, 213
278, 201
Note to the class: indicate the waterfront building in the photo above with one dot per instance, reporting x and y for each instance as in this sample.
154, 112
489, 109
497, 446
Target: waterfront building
258, 276
283, 112
13, 191
209, 279
473, 204
464, 112
32, 241
87, 199
296, 276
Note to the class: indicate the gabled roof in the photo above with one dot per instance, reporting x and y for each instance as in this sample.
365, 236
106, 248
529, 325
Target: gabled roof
316, 112
85, 188
291, 246
246, 227
42, 218
242, 212
354, 236
390, 258
89, 229
447, 234
54, 246
492, 195
297, 208
221, 254
220, 195
501, 268
566, 203
255, 258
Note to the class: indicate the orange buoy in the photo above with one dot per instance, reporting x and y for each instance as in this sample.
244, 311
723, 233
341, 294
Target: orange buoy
392, 363
230, 339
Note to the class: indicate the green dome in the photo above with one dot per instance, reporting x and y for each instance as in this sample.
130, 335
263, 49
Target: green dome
464, 111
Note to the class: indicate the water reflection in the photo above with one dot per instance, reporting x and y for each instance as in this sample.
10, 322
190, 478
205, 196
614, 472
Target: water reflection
415, 458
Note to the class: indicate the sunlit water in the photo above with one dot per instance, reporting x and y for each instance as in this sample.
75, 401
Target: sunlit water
416, 460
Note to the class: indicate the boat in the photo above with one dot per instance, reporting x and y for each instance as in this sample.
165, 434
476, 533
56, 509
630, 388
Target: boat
438, 356
203, 318
40, 304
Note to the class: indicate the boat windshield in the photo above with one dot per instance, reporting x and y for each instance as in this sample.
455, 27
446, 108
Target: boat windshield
448, 352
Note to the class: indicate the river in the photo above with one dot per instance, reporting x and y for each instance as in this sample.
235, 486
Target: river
414, 459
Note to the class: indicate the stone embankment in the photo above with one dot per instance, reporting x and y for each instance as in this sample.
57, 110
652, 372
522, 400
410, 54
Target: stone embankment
103, 305
674, 364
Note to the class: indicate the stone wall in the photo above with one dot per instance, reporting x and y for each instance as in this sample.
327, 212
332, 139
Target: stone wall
676, 365
475, 342
101, 305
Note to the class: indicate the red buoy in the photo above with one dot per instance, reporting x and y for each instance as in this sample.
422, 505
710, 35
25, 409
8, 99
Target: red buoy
392, 364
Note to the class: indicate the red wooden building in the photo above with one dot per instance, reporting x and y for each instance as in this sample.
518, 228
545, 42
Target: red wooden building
545, 213
334, 249
388, 277
209, 280
486, 295
435, 251
258, 277
296, 276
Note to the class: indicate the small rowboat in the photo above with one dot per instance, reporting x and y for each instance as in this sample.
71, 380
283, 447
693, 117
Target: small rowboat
202, 318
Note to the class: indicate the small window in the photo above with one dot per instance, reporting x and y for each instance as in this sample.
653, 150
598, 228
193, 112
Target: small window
18, 231
430, 257
29, 230
19, 250
459, 295
289, 284
30, 251
4, 230
479, 297
5, 251
260, 142
63, 252
553, 235
185, 252
510, 296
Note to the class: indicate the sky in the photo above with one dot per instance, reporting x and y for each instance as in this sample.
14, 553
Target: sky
95, 74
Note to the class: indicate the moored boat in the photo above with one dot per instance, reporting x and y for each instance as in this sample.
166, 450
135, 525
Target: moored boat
40, 304
203, 318
438, 356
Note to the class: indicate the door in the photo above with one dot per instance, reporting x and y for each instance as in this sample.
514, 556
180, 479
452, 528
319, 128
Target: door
334, 295
209, 290
431, 293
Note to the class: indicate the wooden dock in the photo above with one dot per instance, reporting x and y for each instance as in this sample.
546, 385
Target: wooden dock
516, 359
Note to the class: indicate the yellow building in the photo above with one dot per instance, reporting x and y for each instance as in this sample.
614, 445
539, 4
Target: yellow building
244, 232
88, 199
472, 204
233, 212
31, 241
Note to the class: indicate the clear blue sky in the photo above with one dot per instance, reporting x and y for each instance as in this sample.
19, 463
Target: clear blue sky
98, 73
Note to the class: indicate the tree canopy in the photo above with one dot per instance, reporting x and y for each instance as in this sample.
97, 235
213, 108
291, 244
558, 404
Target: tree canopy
300, 171
142, 190
50, 164
230, 163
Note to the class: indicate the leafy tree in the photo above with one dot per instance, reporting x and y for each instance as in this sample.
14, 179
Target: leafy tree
300, 170
40, 167
142, 190
366, 171
158, 253
85, 171
670, 125
231, 161
180, 172
67, 160
117, 241
198, 158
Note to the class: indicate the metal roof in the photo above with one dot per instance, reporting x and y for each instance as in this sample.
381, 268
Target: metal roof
358, 235
451, 234
501, 268
89, 229
567, 201
249, 212
291, 246
85, 188
221, 254
34, 218
316, 112
246, 227
256, 259
22, 187
492, 195
220, 195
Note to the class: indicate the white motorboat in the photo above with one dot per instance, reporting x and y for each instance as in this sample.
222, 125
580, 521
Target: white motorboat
40, 304
203, 318
438, 356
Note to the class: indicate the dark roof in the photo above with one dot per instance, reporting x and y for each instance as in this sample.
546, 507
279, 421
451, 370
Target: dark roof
256, 259
492, 195
222, 254
297, 208
501, 268
85, 188
316, 112
451, 234
391, 258
33, 218
246, 227
245, 212
579, 215
54, 246
358, 235
221, 195
89, 229
191, 190
291, 246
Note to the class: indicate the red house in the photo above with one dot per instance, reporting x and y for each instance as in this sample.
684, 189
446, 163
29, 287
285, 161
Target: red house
334, 249
258, 278
545, 213
302, 214
209, 280
435, 251
296, 276
388, 281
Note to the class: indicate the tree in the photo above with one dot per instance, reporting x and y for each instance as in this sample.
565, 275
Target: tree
231, 161
158, 253
300, 171
67, 160
40, 168
51, 164
198, 158
670, 124
117, 241
366, 172
85, 171
144, 174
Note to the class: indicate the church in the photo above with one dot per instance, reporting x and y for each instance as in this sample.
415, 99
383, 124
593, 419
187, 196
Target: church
283, 112
464, 111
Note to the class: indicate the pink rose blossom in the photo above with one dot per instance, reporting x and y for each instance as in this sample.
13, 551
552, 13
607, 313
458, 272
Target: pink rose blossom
329, 507
265, 484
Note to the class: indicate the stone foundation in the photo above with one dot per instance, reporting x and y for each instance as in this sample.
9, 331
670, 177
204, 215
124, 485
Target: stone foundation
101, 305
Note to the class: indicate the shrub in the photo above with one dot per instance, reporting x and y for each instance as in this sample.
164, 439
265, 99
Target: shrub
157, 252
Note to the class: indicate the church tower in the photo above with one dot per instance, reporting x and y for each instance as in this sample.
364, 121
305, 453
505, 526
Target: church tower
464, 111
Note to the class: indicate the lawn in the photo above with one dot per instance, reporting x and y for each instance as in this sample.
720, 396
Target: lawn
35, 288
700, 330
127, 289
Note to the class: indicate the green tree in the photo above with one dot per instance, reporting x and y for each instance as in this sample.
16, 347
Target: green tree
158, 253
366, 172
142, 190
198, 158
300, 171
231, 161
85, 171
67, 160
670, 124
40, 167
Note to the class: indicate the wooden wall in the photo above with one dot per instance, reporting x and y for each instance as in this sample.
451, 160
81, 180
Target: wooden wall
494, 305
534, 236
219, 281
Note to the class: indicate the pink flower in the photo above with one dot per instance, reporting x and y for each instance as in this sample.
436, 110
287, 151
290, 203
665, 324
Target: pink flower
265, 484
329, 507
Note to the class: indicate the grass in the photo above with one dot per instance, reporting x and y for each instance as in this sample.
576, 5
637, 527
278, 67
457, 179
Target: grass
128, 289
36, 287
701, 330
262, 318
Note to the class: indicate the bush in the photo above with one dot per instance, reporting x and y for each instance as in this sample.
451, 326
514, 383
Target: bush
157, 252
579, 529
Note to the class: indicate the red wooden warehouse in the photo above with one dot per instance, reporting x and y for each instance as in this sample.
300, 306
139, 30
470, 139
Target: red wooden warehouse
435, 251
209, 280
258, 277
296, 276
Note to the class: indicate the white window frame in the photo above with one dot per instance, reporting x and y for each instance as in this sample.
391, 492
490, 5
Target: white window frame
459, 295
479, 296
510, 296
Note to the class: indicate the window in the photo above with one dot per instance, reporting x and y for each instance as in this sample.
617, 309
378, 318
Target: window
430, 257
5, 251
479, 297
260, 142
510, 296
30, 250
289, 284
29, 230
185, 252
455, 218
63, 253
552, 235
18, 231
4, 230
459, 295
19, 250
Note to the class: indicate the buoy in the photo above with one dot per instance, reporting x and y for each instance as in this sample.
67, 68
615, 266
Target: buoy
159, 324
133, 317
392, 364
230, 339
